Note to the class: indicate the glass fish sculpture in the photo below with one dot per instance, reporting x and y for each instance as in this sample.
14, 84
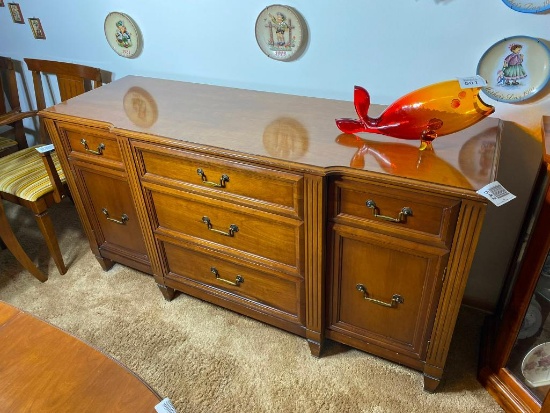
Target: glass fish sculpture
425, 114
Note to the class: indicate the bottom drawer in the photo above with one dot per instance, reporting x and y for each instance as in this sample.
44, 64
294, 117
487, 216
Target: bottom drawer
279, 296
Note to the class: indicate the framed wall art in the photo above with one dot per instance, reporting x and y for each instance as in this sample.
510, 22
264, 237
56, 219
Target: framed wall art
16, 14
37, 29
281, 32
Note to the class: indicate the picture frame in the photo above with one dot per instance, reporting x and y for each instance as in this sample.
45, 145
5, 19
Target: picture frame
36, 27
16, 14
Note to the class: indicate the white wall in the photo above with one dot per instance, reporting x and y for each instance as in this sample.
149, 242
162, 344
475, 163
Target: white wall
390, 47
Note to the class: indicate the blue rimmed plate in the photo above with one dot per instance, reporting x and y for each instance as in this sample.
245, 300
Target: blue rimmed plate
515, 68
531, 6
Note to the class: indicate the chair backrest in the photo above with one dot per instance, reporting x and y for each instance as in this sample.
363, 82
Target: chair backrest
10, 93
72, 79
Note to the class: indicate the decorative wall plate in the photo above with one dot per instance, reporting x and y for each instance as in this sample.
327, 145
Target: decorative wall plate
530, 6
123, 34
281, 32
515, 68
535, 366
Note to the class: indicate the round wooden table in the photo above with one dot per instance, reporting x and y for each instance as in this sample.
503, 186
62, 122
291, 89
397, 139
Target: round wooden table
44, 369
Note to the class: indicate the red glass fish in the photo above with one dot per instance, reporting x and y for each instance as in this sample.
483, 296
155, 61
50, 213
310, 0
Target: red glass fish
424, 114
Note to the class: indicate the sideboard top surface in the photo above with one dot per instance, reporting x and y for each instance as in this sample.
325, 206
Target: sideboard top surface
288, 128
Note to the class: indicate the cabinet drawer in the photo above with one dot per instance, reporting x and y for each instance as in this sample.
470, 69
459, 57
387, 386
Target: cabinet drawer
256, 234
220, 177
384, 291
112, 213
397, 211
235, 282
90, 143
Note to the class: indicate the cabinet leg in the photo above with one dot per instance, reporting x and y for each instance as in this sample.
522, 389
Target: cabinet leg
315, 348
167, 292
431, 383
105, 263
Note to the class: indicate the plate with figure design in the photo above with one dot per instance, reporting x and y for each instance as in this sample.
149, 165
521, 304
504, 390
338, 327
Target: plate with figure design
123, 35
281, 32
530, 6
515, 68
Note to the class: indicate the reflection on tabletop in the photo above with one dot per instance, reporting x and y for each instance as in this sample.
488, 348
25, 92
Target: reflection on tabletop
402, 159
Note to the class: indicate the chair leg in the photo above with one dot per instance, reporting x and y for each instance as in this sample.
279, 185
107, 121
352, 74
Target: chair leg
7, 236
46, 227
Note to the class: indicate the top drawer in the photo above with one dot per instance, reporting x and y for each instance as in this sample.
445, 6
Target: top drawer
396, 211
222, 178
90, 143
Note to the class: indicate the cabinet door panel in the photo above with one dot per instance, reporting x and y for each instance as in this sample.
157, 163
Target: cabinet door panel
110, 203
384, 290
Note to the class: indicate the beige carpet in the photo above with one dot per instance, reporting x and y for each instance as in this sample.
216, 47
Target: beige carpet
207, 359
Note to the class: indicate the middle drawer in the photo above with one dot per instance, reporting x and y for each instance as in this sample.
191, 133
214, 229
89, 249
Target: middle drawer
237, 230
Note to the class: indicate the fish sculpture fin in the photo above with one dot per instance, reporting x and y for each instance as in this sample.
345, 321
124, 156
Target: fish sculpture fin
347, 125
361, 100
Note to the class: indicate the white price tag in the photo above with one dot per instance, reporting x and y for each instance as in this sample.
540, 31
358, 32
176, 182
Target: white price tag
496, 193
45, 148
165, 406
471, 82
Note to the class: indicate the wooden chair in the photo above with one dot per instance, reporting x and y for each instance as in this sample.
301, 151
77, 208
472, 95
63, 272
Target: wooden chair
8, 237
14, 138
35, 179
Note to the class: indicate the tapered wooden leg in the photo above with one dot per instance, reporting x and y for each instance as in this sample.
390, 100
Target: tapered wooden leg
46, 227
8, 237
105, 263
167, 292
431, 383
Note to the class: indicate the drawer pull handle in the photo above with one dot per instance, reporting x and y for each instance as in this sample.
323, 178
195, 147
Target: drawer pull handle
224, 178
231, 232
122, 221
402, 217
99, 151
396, 298
238, 278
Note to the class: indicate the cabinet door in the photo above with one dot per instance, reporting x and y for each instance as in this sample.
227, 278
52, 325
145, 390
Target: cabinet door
383, 293
112, 215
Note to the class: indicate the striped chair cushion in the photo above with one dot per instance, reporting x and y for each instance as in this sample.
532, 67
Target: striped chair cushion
6, 143
24, 175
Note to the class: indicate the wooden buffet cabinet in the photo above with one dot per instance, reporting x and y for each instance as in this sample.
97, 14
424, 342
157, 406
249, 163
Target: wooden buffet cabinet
254, 201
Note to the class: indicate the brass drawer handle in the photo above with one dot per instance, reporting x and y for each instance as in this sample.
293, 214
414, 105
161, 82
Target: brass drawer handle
231, 232
123, 219
238, 278
99, 151
224, 178
402, 217
396, 298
